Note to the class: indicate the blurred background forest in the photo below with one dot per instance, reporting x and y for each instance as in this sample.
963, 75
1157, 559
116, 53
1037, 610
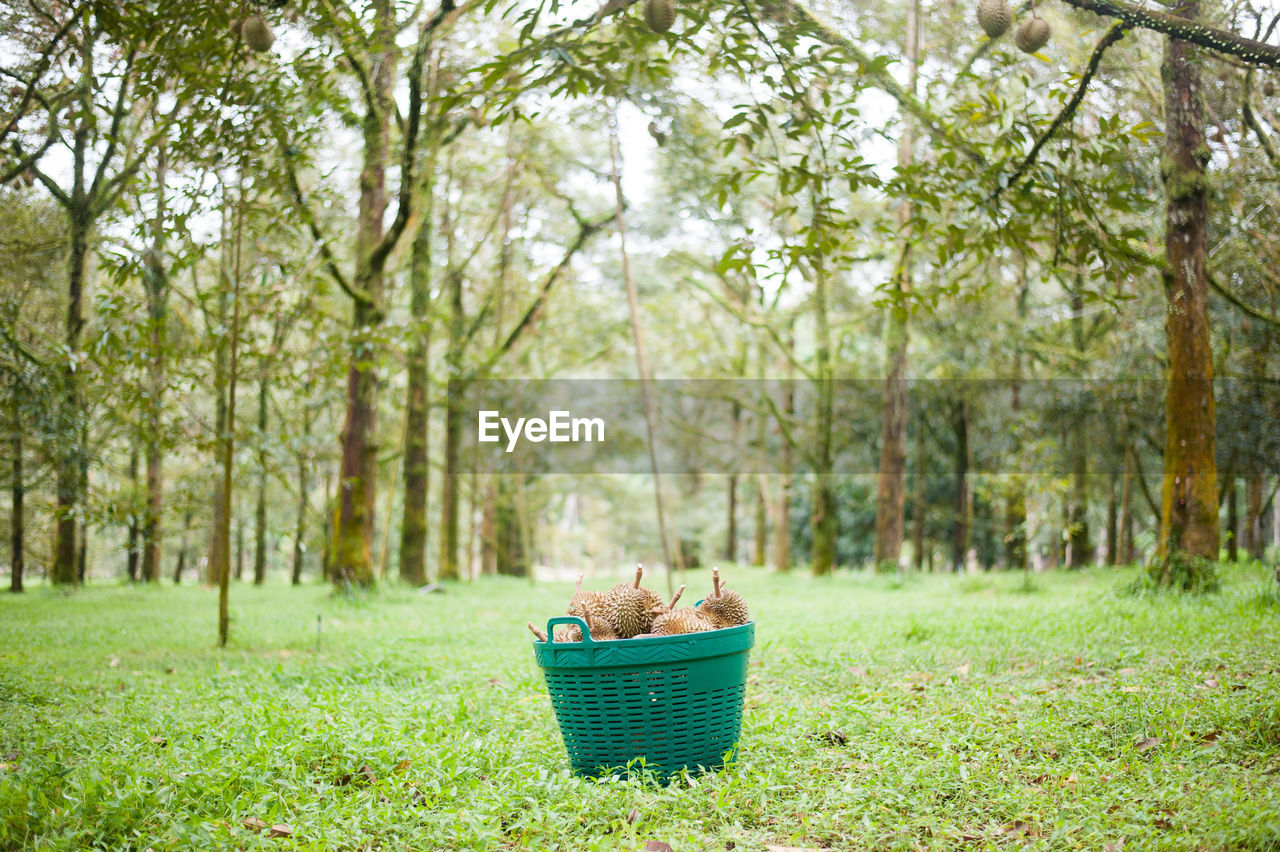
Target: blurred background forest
248, 248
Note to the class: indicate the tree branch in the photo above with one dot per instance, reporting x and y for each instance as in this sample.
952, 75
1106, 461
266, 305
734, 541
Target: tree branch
404, 202
1210, 38
1111, 36
530, 316
1240, 304
42, 66
113, 135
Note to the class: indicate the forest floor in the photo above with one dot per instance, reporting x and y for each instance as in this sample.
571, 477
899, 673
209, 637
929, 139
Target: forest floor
931, 712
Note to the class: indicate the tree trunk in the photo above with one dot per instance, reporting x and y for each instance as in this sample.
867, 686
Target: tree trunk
919, 501
65, 569
1113, 522
731, 531
1254, 543
489, 529
304, 489
643, 372
1126, 505
1189, 504
1233, 522
449, 496
17, 516
260, 510
782, 507
822, 517
417, 470
182, 549
353, 537
131, 541
223, 570
760, 529
1080, 549
960, 507
239, 549
156, 278
891, 483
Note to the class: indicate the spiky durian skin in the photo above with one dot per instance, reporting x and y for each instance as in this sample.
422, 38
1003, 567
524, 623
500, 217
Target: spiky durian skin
995, 17
659, 14
568, 633
257, 33
588, 605
680, 621
1031, 35
728, 610
627, 610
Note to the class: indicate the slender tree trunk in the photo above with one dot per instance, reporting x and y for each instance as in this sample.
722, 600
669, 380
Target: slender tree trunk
353, 556
223, 570
65, 569
417, 469
782, 510
637, 338
1080, 549
304, 490
449, 496
131, 540
330, 514
156, 278
1126, 506
240, 549
919, 501
761, 523
822, 515
960, 508
731, 531
182, 549
489, 530
891, 484
1015, 521
1189, 505
260, 509
1233, 521
1113, 522
17, 516
1255, 545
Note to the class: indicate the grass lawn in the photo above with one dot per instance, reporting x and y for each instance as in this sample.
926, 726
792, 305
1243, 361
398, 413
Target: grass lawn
936, 712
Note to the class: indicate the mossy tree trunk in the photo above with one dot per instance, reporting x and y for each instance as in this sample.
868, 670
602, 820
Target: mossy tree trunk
1189, 505
17, 515
891, 483
417, 470
156, 278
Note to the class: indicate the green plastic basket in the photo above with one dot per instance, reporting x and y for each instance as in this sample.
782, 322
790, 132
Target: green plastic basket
675, 701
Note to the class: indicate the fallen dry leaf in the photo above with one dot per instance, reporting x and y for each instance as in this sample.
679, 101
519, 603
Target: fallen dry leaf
254, 824
1211, 682
832, 737
281, 829
367, 772
1114, 846
1130, 689
633, 816
1211, 737
1147, 743
657, 846
160, 741
403, 766
5, 767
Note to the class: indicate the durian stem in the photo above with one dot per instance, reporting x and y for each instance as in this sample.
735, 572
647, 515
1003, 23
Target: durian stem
579, 587
715, 582
676, 597
639, 574
542, 637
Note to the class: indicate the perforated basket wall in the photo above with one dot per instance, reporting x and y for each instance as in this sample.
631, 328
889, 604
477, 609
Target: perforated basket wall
676, 701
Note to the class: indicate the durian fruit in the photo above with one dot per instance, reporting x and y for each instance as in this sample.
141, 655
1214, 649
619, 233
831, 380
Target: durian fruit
659, 14
995, 17
629, 609
678, 621
587, 604
257, 33
1031, 35
722, 607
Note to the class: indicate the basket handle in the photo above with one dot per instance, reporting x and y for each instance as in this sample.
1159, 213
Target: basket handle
568, 619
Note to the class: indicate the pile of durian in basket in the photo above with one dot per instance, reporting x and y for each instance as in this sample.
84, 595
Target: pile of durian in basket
630, 611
